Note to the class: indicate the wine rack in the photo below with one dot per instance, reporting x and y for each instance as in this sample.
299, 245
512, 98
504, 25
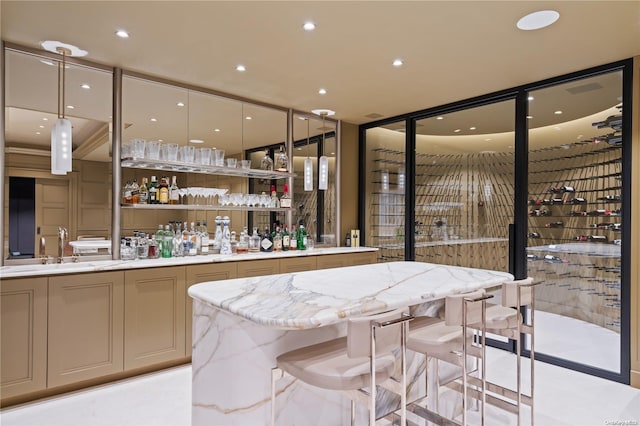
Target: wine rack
575, 229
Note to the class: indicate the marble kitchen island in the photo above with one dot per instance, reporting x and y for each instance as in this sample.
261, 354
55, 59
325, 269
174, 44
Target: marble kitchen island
241, 325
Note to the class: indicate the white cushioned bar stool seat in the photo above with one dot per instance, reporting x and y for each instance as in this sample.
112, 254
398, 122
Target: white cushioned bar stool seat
361, 360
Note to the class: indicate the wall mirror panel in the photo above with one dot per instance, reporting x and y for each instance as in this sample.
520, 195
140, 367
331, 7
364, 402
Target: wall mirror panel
37, 202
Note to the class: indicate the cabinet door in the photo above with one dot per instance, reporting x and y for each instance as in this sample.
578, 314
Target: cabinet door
298, 264
256, 268
23, 350
199, 274
350, 259
154, 319
85, 326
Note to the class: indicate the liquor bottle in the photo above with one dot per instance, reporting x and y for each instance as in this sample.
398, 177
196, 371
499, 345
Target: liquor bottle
555, 190
558, 224
254, 241
549, 258
144, 192
347, 239
557, 200
266, 241
567, 189
285, 239
174, 195
243, 243
225, 246
293, 238
178, 246
302, 238
167, 244
598, 238
285, 200
217, 237
198, 231
143, 246
193, 241
533, 235
277, 239
616, 197
126, 193
275, 201
578, 200
153, 191
163, 191
135, 192
186, 240
266, 163
204, 238
154, 251
532, 257
282, 160
160, 239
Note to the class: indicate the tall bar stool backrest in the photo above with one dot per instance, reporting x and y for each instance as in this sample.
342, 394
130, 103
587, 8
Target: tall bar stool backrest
359, 332
454, 308
510, 292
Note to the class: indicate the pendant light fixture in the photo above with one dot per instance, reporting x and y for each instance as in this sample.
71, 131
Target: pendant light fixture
323, 161
61, 133
308, 165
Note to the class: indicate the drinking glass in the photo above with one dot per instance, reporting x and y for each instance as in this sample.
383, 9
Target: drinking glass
137, 148
153, 150
172, 152
125, 150
245, 164
164, 155
232, 162
205, 156
187, 154
218, 157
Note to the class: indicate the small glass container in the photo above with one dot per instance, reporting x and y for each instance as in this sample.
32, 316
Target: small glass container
282, 160
126, 251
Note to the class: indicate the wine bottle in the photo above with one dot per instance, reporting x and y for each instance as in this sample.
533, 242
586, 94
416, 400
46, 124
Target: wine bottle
558, 224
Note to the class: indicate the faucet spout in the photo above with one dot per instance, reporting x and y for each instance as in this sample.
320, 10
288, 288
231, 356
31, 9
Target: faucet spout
63, 236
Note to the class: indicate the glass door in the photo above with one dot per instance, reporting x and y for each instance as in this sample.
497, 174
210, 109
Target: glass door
575, 221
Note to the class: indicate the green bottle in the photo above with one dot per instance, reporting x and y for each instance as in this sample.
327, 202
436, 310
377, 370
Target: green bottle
302, 238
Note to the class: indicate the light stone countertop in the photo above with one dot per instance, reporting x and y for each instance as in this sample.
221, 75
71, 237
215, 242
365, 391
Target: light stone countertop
313, 299
20, 271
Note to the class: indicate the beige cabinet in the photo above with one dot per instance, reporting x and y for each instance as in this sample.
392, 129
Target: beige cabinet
297, 264
199, 274
85, 326
154, 318
349, 259
23, 350
256, 268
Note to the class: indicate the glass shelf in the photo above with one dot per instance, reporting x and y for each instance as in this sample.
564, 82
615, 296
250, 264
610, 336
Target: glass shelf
202, 207
179, 166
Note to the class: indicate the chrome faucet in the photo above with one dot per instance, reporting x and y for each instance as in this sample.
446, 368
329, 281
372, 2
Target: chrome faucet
63, 236
43, 252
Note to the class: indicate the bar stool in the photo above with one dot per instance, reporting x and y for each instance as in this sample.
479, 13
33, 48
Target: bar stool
362, 359
452, 340
506, 320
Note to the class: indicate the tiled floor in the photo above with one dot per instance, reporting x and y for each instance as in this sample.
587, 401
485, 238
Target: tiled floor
562, 397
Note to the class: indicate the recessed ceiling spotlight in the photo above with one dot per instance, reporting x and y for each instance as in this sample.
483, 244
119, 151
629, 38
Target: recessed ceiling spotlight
70, 107
154, 120
41, 126
240, 68
248, 117
122, 34
439, 117
160, 140
322, 91
45, 119
196, 141
456, 131
216, 130
309, 26
529, 117
58, 47
472, 128
86, 86
530, 98
180, 104
538, 20
487, 139
397, 62
323, 111
38, 133
558, 112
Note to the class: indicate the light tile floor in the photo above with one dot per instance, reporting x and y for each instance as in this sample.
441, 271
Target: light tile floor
562, 397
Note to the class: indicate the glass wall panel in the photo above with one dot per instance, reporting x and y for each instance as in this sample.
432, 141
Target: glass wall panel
574, 227
464, 187
385, 172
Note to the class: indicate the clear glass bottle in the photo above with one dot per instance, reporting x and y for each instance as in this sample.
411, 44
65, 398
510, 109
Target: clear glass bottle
193, 239
225, 246
243, 244
143, 246
266, 163
178, 247
174, 195
186, 240
204, 238
126, 193
266, 241
234, 242
254, 241
160, 239
217, 239
153, 191
144, 192
282, 160
167, 244
126, 251
275, 201
277, 239
285, 200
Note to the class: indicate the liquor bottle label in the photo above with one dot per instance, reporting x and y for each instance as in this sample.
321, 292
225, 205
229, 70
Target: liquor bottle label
266, 244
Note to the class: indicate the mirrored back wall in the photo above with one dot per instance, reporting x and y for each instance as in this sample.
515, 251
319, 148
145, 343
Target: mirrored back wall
152, 109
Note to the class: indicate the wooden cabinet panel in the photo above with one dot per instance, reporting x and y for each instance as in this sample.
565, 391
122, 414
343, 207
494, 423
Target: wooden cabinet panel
297, 264
23, 350
342, 260
256, 268
154, 319
85, 326
199, 274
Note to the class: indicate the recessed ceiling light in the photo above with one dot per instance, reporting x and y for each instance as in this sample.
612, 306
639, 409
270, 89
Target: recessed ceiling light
558, 112
180, 104
323, 111
538, 20
70, 107
122, 34
397, 62
309, 26
440, 118
240, 68
160, 140
530, 98
322, 91
196, 141
45, 119
456, 131
298, 149
529, 117
333, 153
37, 133
487, 139
216, 130
472, 128
86, 86
41, 126
248, 117
154, 120
57, 47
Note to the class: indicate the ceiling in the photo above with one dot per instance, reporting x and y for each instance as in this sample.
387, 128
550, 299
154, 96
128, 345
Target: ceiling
452, 50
